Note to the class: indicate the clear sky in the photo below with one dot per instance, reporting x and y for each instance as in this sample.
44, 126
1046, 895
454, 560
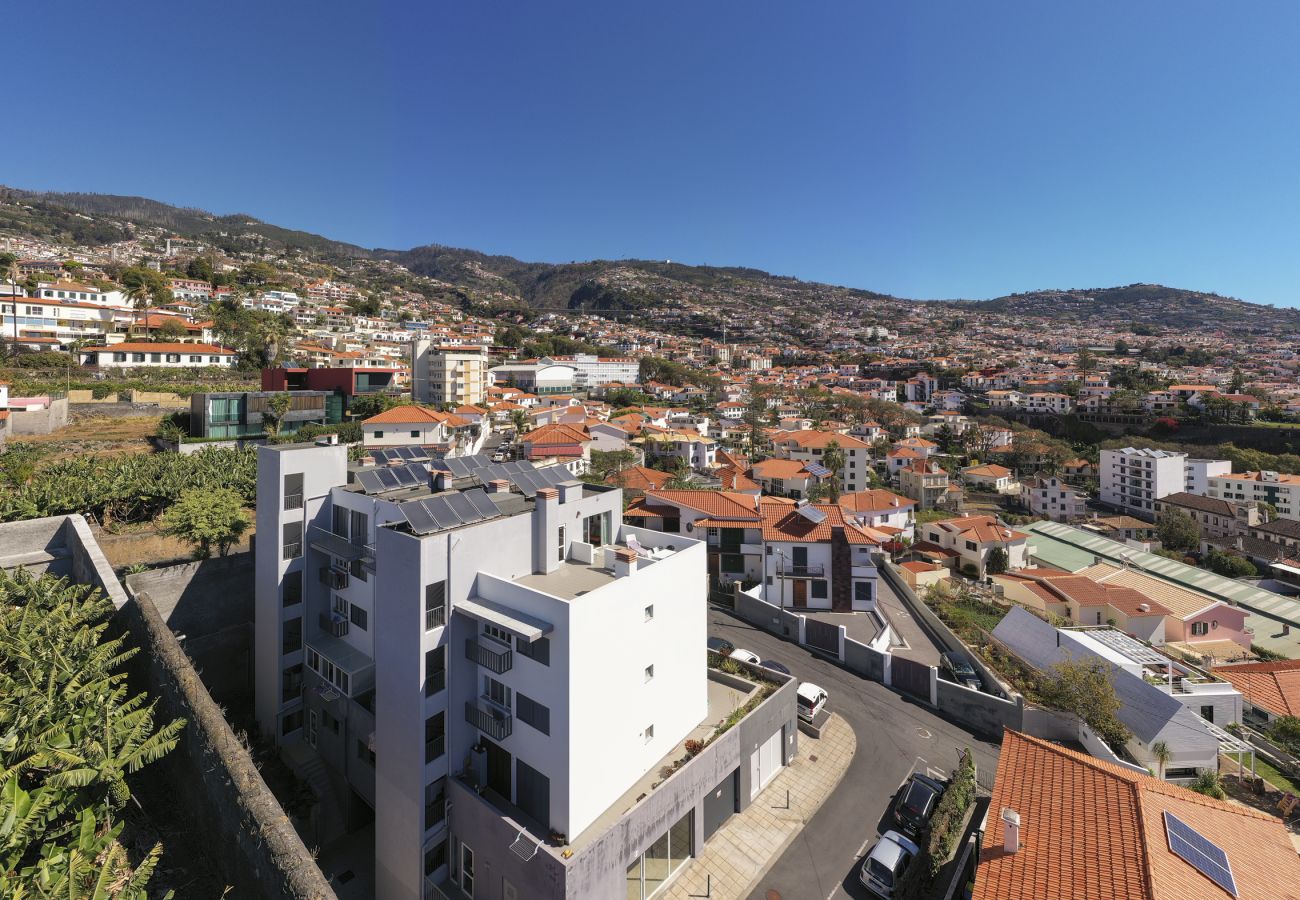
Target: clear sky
923, 148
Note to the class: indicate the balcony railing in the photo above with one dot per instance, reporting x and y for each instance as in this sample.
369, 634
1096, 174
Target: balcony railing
435, 748
790, 570
435, 618
492, 722
293, 550
333, 578
334, 623
493, 660
293, 501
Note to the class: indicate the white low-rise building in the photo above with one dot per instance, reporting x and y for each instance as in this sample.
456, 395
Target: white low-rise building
158, 356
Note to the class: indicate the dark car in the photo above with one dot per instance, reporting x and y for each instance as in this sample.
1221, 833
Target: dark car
959, 670
721, 645
916, 802
775, 666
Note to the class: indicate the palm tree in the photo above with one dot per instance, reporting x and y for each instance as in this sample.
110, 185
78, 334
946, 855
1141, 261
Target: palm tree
141, 298
1160, 751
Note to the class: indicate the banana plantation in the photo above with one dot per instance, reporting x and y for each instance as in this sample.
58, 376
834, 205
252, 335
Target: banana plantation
70, 733
134, 488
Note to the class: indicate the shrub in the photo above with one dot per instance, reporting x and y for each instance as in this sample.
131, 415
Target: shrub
946, 823
693, 747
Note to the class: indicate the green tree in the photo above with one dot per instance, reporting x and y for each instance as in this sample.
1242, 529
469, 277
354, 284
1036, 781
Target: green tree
1084, 361
171, 330
364, 406
833, 459
199, 268
1083, 687
277, 407
18, 463
1161, 753
207, 519
1230, 565
1210, 784
997, 561
1178, 532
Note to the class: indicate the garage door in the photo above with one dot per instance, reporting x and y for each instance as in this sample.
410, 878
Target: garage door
765, 763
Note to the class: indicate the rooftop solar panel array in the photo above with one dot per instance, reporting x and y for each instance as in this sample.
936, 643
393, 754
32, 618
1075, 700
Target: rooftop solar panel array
392, 478
399, 455
442, 511
1201, 853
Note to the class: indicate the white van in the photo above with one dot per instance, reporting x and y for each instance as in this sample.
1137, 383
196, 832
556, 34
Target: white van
810, 699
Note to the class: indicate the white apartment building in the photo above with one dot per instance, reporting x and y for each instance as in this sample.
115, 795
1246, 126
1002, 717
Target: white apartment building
1199, 472
1048, 495
447, 374
59, 321
75, 292
592, 371
488, 658
1283, 491
1133, 479
158, 356
1048, 402
810, 446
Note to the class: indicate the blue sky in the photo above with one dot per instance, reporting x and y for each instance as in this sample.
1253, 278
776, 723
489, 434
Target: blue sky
926, 149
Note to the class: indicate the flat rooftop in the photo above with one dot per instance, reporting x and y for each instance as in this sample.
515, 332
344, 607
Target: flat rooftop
569, 580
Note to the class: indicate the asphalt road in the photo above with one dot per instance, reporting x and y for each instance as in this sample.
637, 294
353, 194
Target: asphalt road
895, 735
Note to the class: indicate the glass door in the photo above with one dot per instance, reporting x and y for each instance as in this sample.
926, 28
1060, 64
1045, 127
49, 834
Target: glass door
467, 870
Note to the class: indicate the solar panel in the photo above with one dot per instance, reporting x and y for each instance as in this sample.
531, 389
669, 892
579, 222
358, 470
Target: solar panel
404, 476
388, 479
555, 475
443, 512
482, 504
370, 482
462, 508
1200, 853
458, 466
380, 457
418, 472
816, 469
418, 517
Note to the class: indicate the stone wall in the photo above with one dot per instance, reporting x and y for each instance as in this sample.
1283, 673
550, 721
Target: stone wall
41, 421
212, 775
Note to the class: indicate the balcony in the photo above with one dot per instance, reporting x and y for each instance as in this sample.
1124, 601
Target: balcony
435, 747
333, 578
293, 501
497, 661
334, 623
790, 570
435, 618
495, 723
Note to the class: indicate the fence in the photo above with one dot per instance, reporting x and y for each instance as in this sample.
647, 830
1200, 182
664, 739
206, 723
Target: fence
985, 714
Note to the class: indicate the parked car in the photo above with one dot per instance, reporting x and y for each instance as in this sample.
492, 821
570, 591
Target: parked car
959, 670
886, 863
916, 802
810, 700
721, 646
748, 656
775, 666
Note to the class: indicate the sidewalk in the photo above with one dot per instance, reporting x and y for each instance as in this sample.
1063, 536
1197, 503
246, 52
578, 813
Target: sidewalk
750, 842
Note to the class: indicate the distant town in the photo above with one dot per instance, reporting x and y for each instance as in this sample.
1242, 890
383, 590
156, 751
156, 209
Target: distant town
698, 584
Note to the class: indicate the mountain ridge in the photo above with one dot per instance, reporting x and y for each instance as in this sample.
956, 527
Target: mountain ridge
616, 285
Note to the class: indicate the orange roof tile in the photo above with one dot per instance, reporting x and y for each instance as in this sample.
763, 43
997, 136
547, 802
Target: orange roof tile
557, 433
407, 415
788, 524
1094, 830
1274, 686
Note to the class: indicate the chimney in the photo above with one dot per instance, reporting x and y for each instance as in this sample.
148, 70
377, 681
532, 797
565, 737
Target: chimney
624, 562
546, 519
1010, 829
498, 486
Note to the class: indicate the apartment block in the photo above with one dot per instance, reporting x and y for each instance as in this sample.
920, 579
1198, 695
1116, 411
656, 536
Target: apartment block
1282, 491
1134, 480
456, 375
491, 663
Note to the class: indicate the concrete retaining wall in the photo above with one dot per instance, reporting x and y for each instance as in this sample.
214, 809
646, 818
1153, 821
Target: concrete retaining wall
248, 834
980, 712
864, 660
43, 421
1049, 725
80, 397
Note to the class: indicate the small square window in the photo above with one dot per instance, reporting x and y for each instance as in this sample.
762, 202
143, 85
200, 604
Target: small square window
649, 612
649, 733
649, 672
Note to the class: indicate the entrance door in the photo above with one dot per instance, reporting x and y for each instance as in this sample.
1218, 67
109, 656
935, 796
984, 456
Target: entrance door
467, 870
498, 770
800, 587
765, 763
312, 722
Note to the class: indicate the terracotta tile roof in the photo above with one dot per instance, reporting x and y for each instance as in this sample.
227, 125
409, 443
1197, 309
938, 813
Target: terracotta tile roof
718, 504
149, 347
875, 501
1274, 686
1179, 601
788, 524
557, 433
812, 439
638, 478
407, 415
735, 479
1093, 830
780, 468
991, 470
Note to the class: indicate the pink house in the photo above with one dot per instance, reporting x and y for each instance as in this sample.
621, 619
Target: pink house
1216, 622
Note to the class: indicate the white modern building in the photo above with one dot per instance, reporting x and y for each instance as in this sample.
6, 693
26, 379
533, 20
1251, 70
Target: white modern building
132, 354
1281, 490
1133, 479
1198, 473
592, 371
448, 374
535, 378
505, 674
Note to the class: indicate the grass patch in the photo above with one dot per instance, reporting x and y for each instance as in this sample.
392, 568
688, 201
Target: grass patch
1266, 771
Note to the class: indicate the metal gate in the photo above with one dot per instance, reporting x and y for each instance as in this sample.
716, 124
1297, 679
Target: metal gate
910, 677
822, 636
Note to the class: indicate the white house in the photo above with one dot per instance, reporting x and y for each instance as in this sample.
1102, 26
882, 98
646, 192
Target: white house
1048, 495
133, 354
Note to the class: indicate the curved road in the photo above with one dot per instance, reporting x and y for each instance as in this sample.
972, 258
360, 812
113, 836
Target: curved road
895, 736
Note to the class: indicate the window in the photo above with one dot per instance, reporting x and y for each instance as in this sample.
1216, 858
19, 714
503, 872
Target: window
819, 588
291, 637
435, 857
379, 434
360, 528
559, 547
119, 357
292, 540
538, 650
194, 358
970, 545
137, 357
329, 721
214, 359
435, 605
650, 672
291, 683
357, 570
359, 617
499, 634
291, 722
863, 592
435, 804
173, 357
415, 434
649, 612
435, 670
532, 792
533, 713
155, 357
649, 733
291, 589
1200, 628
1207, 713
293, 491
497, 692
435, 736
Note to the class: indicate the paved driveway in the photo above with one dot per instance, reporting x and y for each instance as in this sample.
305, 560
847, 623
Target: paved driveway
895, 736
